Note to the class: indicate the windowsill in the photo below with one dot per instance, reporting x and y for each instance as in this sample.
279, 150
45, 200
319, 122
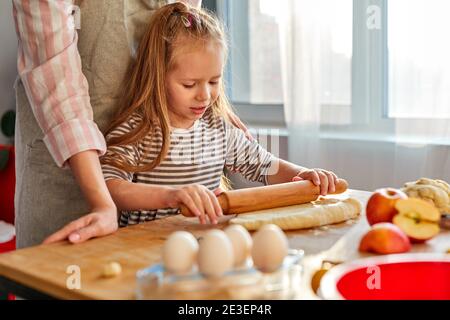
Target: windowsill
273, 130
269, 130
386, 138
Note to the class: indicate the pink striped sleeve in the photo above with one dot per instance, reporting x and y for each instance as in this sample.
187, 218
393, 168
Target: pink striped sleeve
49, 66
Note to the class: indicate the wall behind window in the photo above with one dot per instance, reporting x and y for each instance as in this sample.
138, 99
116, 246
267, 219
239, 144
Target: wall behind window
8, 65
209, 4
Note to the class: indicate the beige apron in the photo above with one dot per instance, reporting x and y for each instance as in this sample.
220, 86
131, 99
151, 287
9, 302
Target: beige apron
47, 197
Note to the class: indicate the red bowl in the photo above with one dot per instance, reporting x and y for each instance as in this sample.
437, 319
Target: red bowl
392, 277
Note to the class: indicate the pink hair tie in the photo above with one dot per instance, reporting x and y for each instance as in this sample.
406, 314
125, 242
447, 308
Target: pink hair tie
187, 21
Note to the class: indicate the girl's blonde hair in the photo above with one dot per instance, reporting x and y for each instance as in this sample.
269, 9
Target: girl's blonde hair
144, 91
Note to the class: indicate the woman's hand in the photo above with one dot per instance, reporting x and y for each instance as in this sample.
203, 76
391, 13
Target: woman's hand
240, 125
100, 222
102, 219
320, 177
198, 199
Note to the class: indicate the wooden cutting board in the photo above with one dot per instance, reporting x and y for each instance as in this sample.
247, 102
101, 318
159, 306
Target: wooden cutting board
44, 268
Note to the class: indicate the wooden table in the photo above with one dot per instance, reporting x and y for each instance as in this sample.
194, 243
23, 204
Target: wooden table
42, 271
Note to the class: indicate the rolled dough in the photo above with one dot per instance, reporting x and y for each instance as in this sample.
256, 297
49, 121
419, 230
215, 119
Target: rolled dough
309, 215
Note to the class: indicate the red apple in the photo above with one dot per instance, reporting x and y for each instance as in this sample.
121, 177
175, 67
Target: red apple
417, 218
385, 238
381, 205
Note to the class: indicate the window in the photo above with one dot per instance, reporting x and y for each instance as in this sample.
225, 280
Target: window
265, 65
254, 71
336, 49
373, 78
419, 63
254, 61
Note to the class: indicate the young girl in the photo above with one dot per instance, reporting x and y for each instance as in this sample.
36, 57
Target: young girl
170, 143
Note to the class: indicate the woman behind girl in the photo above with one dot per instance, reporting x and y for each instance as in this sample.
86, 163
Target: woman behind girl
172, 139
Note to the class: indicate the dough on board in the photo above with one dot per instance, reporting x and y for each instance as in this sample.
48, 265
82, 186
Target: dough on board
309, 215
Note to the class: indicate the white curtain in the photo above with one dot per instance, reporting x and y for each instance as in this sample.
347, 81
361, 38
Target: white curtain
300, 52
408, 150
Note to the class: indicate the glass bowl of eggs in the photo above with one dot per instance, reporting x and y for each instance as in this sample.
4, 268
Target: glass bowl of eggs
223, 265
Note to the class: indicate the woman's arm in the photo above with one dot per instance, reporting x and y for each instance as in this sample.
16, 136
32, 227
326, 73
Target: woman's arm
59, 98
49, 66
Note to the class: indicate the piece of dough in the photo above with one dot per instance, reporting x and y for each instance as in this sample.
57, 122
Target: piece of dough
437, 192
111, 269
314, 214
435, 182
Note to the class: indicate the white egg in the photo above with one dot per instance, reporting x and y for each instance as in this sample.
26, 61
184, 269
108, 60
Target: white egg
270, 247
180, 252
241, 241
215, 255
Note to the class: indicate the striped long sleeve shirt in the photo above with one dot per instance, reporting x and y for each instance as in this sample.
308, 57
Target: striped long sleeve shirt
196, 156
49, 66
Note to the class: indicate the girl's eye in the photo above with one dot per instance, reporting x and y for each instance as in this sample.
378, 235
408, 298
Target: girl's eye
189, 86
214, 83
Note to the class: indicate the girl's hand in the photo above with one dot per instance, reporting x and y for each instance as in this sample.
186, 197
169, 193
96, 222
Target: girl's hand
100, 222
320, 177
198, 199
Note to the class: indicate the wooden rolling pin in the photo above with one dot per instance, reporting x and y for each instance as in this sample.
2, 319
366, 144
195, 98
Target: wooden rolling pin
268, 197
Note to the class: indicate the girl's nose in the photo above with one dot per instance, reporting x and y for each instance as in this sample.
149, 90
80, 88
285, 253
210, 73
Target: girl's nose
204, 93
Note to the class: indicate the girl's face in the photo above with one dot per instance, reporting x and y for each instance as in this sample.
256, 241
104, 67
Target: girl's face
193, 82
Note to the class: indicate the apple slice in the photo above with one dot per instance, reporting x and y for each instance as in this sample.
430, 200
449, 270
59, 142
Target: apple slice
417, 218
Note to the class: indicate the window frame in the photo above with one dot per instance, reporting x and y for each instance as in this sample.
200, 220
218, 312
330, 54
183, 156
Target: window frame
369, 74
257, 115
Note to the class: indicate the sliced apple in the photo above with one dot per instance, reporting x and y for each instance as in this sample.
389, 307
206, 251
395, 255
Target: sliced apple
417, 218
381, 205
